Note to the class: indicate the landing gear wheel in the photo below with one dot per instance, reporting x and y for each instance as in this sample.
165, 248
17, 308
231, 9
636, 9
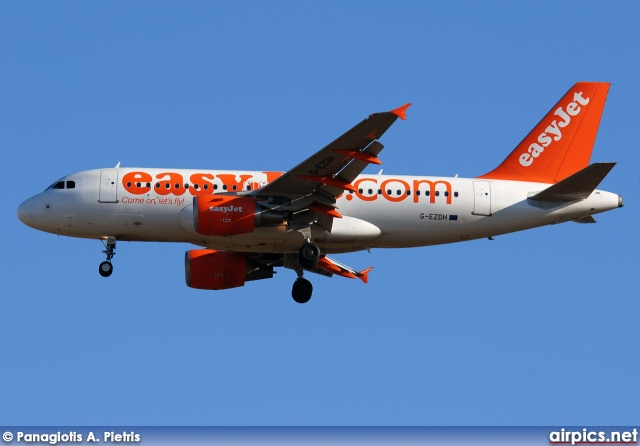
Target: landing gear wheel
309, 256
105, 269
301, 291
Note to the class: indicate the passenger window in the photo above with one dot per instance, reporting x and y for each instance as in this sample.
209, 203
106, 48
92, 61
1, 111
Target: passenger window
437, 193
455, 194
71, 184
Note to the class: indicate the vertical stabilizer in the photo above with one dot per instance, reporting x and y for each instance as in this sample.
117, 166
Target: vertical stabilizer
562, 142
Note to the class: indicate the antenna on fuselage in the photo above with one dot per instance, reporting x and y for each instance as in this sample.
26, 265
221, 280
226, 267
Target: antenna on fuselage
117, 165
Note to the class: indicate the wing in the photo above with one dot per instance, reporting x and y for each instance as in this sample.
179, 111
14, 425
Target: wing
306, 194
316, 182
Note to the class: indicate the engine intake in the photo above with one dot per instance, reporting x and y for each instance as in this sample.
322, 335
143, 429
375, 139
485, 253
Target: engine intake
208, 269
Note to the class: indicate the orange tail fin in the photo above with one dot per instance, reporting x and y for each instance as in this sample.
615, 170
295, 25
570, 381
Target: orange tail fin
561, 144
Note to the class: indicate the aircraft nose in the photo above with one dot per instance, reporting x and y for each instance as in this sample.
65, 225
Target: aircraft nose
25, 212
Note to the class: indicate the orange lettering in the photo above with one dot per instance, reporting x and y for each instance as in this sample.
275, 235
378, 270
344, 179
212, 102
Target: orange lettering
136, 182
363, 197
398, 198
199, 179
432, 189
230, 182
272, 175
168, 186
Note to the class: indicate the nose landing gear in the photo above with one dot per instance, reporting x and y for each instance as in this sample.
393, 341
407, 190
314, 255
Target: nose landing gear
308, 258
106, 268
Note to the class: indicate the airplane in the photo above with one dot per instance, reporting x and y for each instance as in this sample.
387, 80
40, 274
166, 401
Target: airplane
248, 223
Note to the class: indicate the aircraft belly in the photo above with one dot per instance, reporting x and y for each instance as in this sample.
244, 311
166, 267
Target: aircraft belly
282, 239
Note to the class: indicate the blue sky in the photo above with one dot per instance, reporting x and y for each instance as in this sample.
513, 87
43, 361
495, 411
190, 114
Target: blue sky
534, 328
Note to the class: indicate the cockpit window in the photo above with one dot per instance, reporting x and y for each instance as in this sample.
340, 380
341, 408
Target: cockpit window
61, 185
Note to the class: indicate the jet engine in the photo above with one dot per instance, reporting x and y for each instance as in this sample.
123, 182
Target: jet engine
231, 215
208, 269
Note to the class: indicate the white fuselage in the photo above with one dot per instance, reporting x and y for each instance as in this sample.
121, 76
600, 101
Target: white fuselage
385, 212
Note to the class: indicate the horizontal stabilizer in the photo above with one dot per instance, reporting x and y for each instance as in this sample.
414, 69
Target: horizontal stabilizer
577, 186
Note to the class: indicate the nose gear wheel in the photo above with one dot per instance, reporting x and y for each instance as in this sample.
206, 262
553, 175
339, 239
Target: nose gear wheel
106, 268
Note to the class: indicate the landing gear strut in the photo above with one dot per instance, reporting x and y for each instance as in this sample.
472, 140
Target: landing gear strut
308, 258
106, 268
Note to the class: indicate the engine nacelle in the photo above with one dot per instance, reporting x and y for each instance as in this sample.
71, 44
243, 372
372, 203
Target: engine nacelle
208, 269
230, 215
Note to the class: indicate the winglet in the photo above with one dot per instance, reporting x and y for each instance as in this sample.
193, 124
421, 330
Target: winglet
364, 274
401, 112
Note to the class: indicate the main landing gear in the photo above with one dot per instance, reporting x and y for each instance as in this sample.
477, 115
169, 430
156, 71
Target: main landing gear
308, 258
106, 268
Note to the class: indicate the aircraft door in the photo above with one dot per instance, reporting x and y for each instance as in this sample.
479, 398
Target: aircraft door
108, 186
482, 198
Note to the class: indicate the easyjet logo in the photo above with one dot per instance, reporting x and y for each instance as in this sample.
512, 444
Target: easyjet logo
366, 189
225, 209
173, 183
554, 131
